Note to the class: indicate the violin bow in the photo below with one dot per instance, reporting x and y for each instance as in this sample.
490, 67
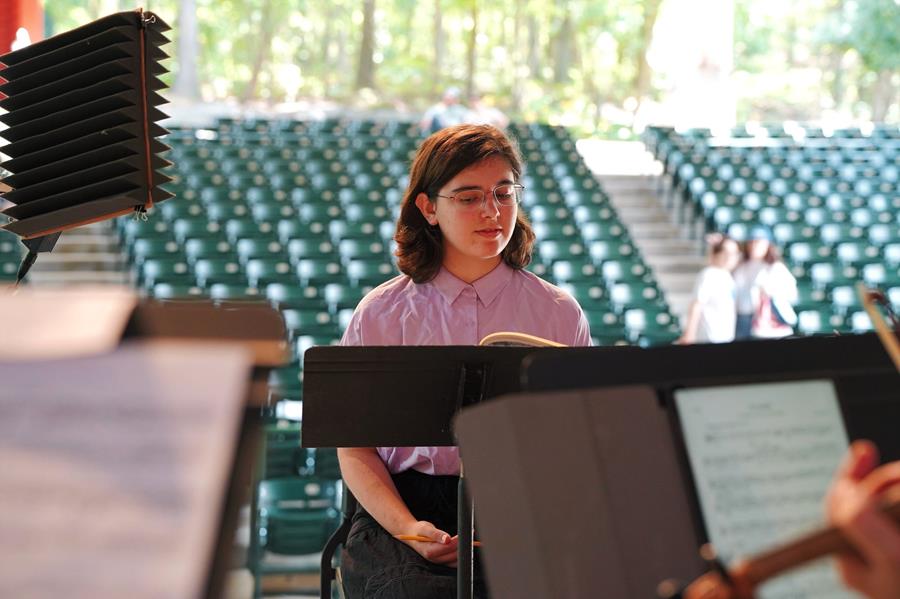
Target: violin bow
741, 579
886, 333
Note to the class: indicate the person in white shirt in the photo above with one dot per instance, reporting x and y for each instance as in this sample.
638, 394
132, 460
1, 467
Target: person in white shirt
711, 314
446, 113
766, 290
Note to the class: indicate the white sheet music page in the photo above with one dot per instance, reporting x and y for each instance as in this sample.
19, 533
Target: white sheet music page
762, 458
113, 470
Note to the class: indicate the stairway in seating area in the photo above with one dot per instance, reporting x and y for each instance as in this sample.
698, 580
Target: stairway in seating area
630, 176
86, 255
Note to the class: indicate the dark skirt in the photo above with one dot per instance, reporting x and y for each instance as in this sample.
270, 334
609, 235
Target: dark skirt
374, 565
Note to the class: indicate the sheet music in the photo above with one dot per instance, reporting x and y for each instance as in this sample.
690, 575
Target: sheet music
762, 458
113, 470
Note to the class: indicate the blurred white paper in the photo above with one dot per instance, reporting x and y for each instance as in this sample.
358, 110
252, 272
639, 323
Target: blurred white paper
113, 470
41, 324
762, 458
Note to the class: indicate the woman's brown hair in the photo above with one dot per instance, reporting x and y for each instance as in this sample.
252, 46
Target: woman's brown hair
420, 249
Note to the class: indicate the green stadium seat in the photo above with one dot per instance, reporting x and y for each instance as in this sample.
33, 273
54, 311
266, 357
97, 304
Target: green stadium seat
198, 227
310, 322
319, 271
342, 229
274, 269
284, 296
131, 229
244, 228
549, 251
818, 322
362, 249
560, 231
603, 250
285, 382
369, 273
248, 249
591, 295
605, 324
623, 296
340, 296
296, 515
845, 299
575, 269
302, 343
219, 270
142, 249
298, 249
283, 455
294, 229
891, 252
212, 247
163, 270
652, 324
322, 212
828, 274
230, 292
860, 322
624, 271
168, 291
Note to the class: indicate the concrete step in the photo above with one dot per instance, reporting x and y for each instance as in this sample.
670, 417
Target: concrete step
89, 242
668, 244
77, 277
676, 262
674, 282
645, 215
653, 229
90, 261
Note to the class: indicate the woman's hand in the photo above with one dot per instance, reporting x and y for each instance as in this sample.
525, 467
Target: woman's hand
852, 504
441, 550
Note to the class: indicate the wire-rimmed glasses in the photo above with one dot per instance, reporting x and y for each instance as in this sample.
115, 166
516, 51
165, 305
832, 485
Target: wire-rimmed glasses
473, 200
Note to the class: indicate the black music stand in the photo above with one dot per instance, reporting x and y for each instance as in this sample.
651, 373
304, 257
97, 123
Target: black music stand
611, 449
403, 396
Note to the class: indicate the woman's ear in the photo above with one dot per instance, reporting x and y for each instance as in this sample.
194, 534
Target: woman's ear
427, 208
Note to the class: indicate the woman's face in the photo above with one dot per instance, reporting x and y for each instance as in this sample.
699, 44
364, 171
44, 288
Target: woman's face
757, 249
473, 239
729, 256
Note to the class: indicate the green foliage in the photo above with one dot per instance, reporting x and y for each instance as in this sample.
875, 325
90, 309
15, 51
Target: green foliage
537, 59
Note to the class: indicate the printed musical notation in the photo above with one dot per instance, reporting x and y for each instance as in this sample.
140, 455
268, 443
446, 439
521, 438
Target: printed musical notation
762, 457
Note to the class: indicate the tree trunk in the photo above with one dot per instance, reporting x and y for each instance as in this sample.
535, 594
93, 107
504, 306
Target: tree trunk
884, 93
187, 83
563, 50
438, 36
365, 70
518, 60
642, 77
266, 29
471, 52
325, 48
534, 41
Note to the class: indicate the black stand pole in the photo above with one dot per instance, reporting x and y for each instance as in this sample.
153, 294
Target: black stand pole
465, 530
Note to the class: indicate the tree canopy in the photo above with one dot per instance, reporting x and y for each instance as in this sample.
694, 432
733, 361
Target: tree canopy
588, 64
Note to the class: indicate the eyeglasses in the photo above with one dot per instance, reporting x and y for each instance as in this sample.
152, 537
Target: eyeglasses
473, 200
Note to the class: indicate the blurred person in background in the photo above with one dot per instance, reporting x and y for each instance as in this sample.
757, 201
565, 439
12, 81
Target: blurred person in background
712, 311
481, 113
446, 113
766, 290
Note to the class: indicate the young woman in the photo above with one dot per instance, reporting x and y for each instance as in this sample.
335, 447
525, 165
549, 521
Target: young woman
765, 290
462, 246
711, 314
